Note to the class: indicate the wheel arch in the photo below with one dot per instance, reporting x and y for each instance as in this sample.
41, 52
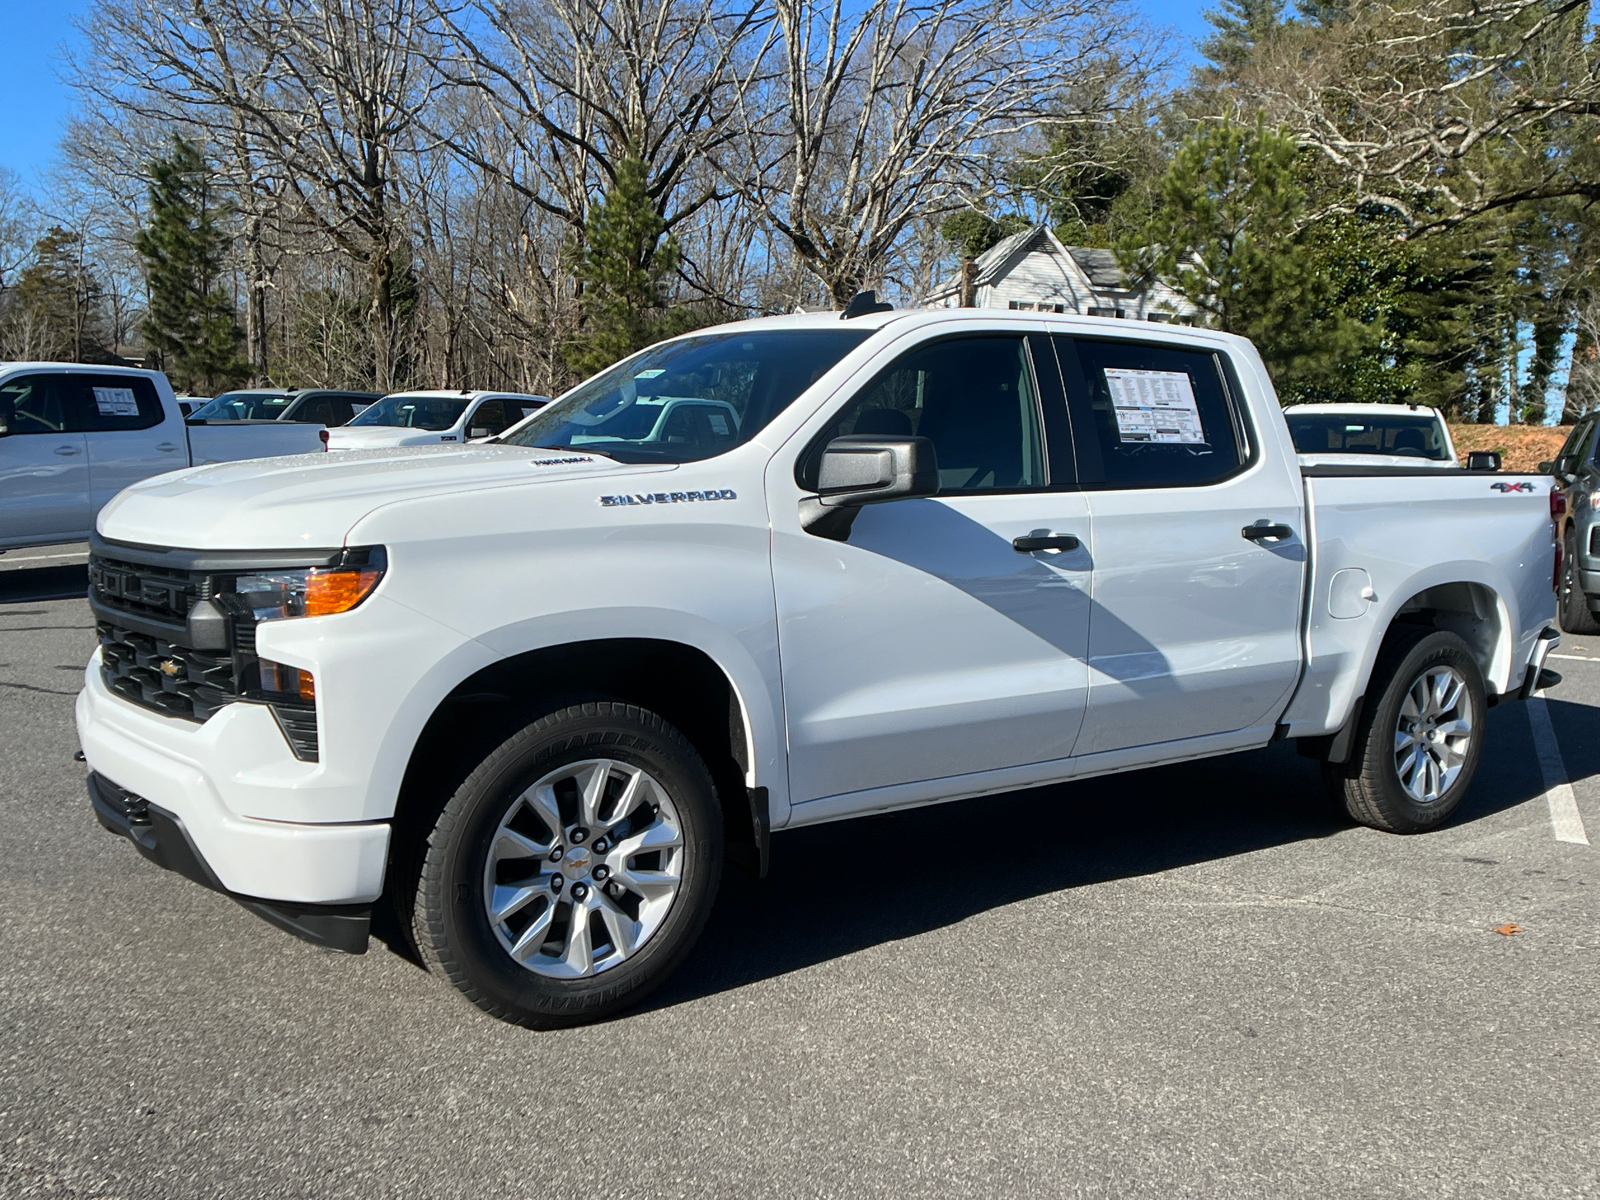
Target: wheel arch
679, 681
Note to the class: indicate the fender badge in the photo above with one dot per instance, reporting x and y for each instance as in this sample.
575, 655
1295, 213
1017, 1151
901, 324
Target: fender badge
668, 497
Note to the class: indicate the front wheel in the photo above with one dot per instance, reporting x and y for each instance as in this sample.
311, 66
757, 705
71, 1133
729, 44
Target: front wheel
1420, 737
574, 869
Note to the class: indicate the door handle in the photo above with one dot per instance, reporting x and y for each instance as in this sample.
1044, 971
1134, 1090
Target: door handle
1264, 532
66, 450
166, 447
1053, 541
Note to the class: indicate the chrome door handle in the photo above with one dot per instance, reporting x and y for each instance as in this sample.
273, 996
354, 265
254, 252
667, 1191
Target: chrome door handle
166, 447
66, 450
1053, 541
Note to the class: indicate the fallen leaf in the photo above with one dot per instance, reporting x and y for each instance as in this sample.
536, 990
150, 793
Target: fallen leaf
1507, 929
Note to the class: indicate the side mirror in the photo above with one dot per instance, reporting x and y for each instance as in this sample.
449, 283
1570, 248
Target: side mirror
862, 469
867, 469
1547, 467
477, 431
1483, 460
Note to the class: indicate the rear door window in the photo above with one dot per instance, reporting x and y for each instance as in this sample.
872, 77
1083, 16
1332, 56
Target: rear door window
113, 403
490, 419
1152, 416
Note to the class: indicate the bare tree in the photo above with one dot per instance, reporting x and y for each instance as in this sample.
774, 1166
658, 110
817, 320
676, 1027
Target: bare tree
1440, 110
881, 114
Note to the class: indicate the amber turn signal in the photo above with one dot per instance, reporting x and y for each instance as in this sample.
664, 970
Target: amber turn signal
338, 590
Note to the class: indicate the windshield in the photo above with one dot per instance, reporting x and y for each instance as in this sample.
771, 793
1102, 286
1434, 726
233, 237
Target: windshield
412, 412
243, 406
691, 399
1402, 434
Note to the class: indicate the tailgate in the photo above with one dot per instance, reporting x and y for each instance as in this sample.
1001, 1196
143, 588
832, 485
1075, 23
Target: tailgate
231, 441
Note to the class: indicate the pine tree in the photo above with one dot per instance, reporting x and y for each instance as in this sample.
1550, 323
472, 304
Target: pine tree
1227, 236
624, 259
54, 306
191, 323
1240, 26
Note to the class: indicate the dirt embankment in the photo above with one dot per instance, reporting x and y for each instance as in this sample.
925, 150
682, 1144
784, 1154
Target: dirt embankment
1522, 447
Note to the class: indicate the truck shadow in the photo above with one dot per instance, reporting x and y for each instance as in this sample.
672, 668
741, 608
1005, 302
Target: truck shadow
840, 888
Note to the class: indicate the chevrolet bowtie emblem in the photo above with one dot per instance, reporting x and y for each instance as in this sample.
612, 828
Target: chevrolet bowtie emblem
170, 666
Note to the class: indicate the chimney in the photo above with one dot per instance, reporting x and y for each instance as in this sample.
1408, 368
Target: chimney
969, 283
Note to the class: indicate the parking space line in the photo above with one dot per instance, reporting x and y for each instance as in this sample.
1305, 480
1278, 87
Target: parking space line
1565, 818
76, 554
1574, 657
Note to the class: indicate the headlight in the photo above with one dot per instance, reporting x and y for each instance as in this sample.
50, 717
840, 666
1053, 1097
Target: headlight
312, 591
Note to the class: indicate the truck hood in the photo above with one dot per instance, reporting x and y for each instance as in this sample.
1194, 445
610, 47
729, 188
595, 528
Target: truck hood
313, 500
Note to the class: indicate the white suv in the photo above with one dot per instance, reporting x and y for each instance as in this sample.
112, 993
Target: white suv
429, 418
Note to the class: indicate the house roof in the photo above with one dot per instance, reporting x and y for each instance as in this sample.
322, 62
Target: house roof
1100, 266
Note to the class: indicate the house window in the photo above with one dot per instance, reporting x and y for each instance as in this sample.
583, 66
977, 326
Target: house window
1096, 311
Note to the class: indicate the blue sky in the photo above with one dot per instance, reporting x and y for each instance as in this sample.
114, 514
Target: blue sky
34, 102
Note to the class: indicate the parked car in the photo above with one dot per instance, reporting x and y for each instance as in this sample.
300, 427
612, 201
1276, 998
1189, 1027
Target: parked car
317, 406
1390, 435
72, 437
432, 418
529, 692
187, 405
1577, 474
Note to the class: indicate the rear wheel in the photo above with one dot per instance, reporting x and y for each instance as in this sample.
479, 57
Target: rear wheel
1417, 746
573, 870
1575, 614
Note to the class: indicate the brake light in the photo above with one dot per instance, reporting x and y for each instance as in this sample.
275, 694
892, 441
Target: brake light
1558, 504
323, 434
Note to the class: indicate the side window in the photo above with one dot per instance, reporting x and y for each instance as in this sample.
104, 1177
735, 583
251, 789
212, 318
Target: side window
490, 416
1160, 416
974, 398
117, 402
318, 412
33, 404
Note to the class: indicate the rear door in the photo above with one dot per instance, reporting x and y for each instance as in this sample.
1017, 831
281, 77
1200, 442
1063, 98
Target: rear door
1195, 628
44, 462
131, 436
928, 645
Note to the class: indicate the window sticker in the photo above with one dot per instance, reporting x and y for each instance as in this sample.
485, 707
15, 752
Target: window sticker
1155, 406
719, 423
116, 402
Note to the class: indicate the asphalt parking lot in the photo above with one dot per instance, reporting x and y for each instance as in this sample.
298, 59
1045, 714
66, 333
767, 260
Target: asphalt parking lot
1191, 981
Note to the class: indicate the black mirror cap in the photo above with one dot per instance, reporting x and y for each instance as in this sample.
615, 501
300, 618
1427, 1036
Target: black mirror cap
1547, 467
1483, 460
867, 469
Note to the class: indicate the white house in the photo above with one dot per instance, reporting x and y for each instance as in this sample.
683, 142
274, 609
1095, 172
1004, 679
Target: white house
1032, 271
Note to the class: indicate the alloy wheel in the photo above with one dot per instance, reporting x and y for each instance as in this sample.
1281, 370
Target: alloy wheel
583, 868
1433, 733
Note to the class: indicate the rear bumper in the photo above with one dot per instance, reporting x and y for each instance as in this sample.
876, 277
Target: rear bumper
1547, 641
161, 837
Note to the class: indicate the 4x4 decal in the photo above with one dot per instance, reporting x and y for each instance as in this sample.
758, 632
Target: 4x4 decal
1524, 486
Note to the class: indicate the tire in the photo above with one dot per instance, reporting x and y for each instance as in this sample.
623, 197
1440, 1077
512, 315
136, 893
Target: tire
625, 803
1371, 786
1575, 614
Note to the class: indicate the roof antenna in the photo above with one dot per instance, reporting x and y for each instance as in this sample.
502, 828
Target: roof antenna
863, 303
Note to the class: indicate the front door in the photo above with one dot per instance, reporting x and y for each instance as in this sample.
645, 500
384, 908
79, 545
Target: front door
44, 463
927, 645
1195, 629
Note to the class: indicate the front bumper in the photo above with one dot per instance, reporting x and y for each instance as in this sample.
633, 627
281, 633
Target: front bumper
192, 771
161, 837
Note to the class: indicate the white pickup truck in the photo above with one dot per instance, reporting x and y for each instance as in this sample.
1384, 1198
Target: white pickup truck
530, 692
72, 436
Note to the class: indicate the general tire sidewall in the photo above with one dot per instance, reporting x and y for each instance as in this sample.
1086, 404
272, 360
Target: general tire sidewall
456, 866
1438, 649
